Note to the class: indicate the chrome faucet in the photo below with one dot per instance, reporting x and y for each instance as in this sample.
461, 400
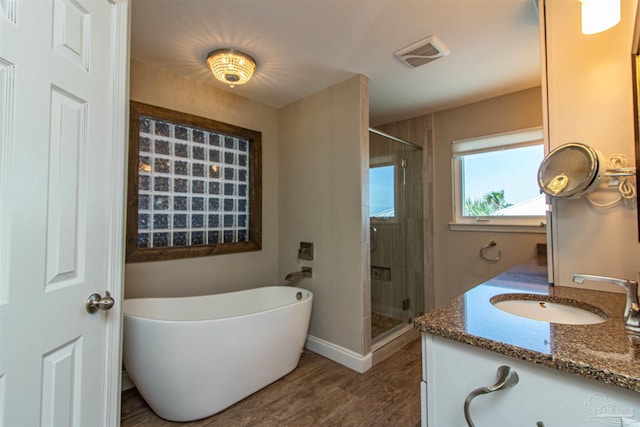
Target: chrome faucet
631, 309
299, 275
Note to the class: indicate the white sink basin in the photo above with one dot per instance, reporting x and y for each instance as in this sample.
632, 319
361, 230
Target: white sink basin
544, 310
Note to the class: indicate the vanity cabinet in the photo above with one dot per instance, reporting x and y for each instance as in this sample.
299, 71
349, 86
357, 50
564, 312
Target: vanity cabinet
451, 370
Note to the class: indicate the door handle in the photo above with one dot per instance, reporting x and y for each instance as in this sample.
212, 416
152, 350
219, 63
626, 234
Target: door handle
96, 302
507, 377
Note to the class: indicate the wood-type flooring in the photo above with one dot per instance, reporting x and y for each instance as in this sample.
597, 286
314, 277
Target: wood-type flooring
319, 392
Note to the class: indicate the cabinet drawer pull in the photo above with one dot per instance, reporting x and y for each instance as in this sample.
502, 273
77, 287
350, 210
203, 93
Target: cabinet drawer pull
506, 378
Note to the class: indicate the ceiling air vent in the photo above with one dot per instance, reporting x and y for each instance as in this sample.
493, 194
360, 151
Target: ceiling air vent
422, 52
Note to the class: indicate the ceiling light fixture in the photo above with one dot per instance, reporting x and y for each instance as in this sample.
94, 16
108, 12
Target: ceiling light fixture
599, 15
231, 66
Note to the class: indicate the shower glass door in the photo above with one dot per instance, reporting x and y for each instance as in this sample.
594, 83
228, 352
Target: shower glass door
396, 234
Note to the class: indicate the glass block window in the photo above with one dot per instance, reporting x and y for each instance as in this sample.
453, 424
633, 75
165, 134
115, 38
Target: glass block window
195, 182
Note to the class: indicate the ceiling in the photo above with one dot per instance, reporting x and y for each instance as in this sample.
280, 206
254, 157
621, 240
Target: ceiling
303, 46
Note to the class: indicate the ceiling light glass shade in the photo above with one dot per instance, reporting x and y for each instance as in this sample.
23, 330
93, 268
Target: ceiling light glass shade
599, 15
231, 67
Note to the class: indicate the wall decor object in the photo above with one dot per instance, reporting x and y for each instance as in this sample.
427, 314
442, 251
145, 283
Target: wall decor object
195, 186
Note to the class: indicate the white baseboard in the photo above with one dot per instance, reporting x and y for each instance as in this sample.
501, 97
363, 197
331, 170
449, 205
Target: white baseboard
341, 355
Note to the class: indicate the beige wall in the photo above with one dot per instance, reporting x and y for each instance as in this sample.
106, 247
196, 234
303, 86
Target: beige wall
314, 154
315, 167
458, 266
323, 150
221, 273
591, 101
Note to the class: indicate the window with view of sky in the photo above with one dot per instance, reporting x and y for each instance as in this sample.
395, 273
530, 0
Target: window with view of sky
512, 171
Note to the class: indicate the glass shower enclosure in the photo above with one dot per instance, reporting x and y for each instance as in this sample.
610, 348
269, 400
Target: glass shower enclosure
396, 233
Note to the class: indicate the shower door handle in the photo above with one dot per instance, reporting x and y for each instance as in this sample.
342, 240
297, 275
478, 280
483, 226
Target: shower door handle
374, 238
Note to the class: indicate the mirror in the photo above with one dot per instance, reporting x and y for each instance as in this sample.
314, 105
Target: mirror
571, 171
635, 63
636, 97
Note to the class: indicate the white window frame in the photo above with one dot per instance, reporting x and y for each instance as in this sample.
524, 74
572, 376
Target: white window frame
459, 148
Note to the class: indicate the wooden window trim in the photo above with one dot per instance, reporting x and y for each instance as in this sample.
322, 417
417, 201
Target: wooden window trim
254, 243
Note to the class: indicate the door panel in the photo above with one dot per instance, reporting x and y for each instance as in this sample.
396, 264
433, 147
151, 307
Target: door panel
388, 254
62, 164
61, 385
72, 32
397, 264
66, 221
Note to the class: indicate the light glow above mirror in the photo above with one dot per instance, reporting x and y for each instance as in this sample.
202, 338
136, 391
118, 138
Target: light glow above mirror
599, 15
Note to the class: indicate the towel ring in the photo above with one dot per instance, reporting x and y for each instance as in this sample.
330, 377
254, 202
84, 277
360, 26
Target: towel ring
484, 257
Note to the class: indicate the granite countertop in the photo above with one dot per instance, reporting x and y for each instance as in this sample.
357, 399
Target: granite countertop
603, 351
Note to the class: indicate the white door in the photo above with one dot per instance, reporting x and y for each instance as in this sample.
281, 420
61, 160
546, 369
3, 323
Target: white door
62, 156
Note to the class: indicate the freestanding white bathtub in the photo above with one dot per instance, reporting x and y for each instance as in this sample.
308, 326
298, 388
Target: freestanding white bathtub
192, 357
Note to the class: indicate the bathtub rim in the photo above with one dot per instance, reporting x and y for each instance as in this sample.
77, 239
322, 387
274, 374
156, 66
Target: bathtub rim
308, 299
